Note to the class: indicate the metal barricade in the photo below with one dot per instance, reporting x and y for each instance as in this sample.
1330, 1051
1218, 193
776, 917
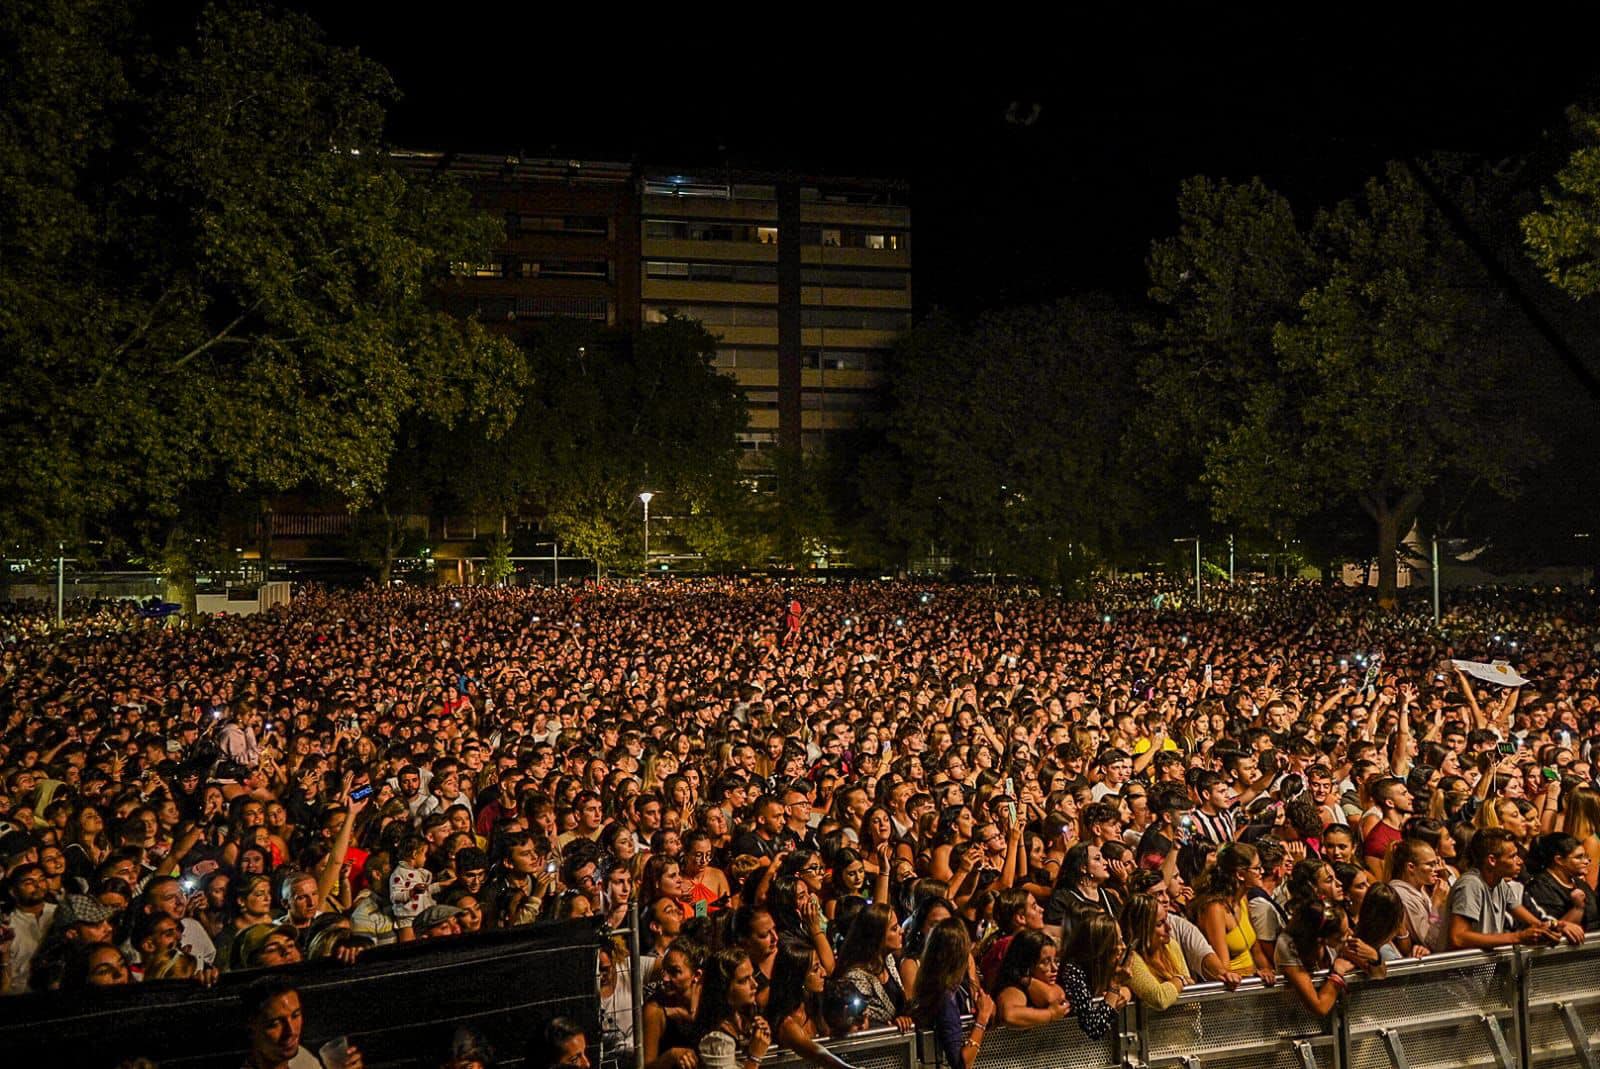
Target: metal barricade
1255, 1027
1561, 992
880, 1048
1058, 1045
1457, 1009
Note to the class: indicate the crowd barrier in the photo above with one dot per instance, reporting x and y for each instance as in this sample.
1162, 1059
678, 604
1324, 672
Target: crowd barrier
1510, 1009
400, 1004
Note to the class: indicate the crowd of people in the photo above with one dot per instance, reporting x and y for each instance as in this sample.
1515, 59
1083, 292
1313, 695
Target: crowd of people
834, 806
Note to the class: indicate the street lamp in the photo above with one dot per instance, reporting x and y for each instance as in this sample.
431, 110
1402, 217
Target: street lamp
645, 496
1199, 599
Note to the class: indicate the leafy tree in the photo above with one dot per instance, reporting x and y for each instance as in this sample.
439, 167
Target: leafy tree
1564, 237
1389, 377
608, 414
213, 280
1007, 436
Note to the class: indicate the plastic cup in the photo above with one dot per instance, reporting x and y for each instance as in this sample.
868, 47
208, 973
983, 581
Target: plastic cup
334, 1052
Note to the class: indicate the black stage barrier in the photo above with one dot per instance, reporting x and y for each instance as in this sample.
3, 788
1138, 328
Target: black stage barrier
400, 1004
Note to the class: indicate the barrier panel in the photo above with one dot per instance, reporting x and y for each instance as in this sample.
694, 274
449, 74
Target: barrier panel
878, 1048
1061, 1042
1457, 1009
1254, 1027
400, 1004
1561, 1006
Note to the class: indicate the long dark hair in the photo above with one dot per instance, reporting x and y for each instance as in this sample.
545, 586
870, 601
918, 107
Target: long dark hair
787, 991
1074, 867
1311, 924
716, 977
1382, 915
943, 966
1021, 958
1546, 848
1092, 947
863, 944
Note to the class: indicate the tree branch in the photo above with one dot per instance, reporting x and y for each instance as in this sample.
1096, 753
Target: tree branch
217, 338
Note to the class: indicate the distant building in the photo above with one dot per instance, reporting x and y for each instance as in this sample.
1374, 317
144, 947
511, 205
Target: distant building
572, 239
806, 281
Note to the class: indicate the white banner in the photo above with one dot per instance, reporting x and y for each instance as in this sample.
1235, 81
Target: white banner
1499, 672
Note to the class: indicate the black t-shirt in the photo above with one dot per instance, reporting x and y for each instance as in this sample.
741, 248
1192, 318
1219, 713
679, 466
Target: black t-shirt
1553, 900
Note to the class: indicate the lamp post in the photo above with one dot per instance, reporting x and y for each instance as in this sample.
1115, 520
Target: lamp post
1199, 599
645, 496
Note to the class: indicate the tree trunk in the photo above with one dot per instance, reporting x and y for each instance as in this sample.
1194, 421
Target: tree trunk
386, 569
1388, 568
1393, 520
178, 576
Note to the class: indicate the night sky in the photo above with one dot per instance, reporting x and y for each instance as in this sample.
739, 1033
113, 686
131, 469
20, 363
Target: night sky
1006, 210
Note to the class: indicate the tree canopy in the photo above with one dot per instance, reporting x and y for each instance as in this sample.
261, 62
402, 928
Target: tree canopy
212, 278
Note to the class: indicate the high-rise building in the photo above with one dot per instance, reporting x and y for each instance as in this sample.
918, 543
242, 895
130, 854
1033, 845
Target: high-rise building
572, 239
806, 281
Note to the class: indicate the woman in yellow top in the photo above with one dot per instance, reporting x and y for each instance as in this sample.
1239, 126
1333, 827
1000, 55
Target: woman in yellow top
1157, 971
1219, 910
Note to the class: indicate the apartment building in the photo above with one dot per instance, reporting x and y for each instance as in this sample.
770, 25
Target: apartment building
572, 239
806, 281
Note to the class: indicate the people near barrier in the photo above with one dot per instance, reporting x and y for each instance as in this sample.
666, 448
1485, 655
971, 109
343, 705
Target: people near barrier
274, 1020
1485, 909
732, 1033
1107, 801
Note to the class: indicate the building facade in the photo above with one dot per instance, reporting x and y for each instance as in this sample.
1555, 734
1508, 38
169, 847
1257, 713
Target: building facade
572, 240
805, 281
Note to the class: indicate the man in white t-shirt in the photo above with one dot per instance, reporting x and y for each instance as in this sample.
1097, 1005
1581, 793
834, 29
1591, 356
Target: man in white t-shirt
274, 1018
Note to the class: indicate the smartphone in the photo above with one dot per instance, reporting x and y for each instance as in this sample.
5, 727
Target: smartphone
1011, 788
1507, 748
361, 793
1550, 774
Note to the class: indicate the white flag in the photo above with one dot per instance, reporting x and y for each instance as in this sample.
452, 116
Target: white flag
1499, 672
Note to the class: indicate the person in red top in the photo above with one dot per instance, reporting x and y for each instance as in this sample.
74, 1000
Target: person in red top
1394, 800
791, 620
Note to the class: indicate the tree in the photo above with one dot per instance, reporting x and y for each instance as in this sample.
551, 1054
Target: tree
1389, 377
610, 413
1564, 238
214, 280
1007, 436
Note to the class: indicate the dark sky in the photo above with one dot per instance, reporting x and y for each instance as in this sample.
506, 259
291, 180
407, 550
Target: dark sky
1003, 211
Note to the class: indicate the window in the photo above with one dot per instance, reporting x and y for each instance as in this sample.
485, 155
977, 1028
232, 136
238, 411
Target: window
762, 399
702, 230
495, 268
853, 237
846, 278
758, 440
749, 359
839, 400
594, 309
716, 315
767, 235
557, 224
841, 360
854, 319
679, 185
759, 274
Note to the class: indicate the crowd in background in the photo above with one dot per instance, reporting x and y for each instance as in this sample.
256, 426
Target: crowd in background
835, 806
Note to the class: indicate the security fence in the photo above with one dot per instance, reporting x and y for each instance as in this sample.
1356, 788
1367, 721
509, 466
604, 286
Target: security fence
1511, 1009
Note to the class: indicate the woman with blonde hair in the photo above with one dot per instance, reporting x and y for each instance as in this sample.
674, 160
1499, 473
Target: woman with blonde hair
1157, 971
1582, 822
